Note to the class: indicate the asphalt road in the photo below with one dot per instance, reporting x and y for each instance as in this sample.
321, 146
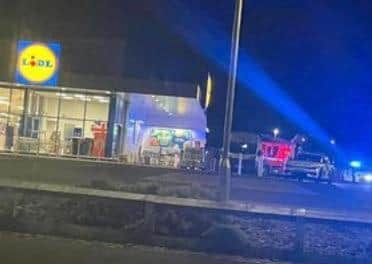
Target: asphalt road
282, 192
31, 249
289, 193
308, 195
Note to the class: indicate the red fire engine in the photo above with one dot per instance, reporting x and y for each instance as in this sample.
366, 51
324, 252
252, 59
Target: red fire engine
276, 152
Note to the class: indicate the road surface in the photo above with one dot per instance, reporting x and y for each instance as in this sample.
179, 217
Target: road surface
272, 191
30, 249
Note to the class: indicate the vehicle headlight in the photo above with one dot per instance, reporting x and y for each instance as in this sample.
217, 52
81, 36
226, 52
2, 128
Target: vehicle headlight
367, 177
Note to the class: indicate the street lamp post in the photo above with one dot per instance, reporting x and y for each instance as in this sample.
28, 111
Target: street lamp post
224, 165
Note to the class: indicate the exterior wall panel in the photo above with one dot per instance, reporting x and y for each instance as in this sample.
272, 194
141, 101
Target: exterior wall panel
103, 44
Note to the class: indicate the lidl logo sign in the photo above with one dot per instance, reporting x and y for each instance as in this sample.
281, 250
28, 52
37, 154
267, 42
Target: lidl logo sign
38, 63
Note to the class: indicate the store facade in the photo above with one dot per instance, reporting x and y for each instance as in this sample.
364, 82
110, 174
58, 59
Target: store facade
59, 121
124, 120
165, 130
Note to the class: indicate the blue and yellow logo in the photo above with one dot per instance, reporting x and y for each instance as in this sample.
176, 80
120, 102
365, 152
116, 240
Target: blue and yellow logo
38, 63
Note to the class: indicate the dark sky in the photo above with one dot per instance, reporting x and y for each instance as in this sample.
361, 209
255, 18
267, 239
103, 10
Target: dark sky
318, 52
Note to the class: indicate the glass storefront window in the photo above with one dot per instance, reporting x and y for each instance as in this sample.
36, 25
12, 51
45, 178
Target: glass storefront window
61, 122
3, 123
4, 100
43, 104
12, 134
48, 137
17, 101
32, 126
96, 133
96, 123
71, 128
9, 129
73, 106
97, 108
71, 134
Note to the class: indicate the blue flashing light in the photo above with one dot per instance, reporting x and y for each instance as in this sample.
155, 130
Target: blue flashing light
355, 164
204, 35
368, 178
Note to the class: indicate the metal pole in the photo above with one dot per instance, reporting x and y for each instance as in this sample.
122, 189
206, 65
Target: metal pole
224, 165
240, 164
124, 141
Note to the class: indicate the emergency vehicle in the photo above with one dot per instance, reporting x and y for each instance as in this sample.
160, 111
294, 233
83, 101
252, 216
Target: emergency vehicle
276, 152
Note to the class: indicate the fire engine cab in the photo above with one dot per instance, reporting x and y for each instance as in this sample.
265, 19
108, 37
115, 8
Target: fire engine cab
276, 152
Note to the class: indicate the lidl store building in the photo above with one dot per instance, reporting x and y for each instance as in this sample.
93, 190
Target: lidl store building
110, 117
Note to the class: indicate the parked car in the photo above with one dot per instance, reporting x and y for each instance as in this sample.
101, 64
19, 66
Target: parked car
310, 165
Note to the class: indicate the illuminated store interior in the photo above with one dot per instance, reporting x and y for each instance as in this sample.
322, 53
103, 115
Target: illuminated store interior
95, 123
61, 122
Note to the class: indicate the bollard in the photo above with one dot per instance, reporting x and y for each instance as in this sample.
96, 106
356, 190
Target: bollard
240, 164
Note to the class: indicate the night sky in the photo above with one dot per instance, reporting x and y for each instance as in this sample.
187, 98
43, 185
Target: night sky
317, 51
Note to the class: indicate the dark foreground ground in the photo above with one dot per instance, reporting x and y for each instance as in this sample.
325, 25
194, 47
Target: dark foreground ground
19, 248
84, 217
